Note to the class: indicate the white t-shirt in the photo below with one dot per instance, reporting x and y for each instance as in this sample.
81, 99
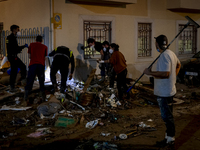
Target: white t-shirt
166, 63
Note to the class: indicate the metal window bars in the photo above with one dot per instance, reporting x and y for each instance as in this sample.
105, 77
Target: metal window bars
187, 40
100, 31
144, 39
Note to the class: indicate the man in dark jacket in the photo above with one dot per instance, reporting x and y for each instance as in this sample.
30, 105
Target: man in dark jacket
12, 50
63, 56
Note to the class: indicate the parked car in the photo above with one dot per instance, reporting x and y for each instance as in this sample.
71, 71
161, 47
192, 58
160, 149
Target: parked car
190, 71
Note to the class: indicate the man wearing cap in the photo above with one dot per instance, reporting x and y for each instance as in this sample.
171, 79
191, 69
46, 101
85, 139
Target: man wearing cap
168, 66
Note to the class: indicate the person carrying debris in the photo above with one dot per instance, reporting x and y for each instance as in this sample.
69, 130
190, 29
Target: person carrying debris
63, 56
37, 52
98, 47
168, 66
12, 50
119, 64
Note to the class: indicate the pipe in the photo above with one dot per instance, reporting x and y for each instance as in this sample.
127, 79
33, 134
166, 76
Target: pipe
190, 21
54, 31
51, 28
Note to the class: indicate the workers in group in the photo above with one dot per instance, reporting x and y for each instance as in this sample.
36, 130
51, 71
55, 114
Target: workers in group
12, 50
168, 66
119, 63
95, 46
63, 56
37, 52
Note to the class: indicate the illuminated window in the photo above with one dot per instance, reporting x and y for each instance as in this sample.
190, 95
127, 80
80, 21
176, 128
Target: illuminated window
144, 39
187, 43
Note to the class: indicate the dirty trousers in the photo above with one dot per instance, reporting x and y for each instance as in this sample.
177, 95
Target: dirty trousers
63, 71
16, 63
167, 114
35, 69
121, 83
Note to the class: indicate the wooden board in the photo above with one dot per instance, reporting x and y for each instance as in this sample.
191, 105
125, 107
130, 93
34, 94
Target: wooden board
89, 79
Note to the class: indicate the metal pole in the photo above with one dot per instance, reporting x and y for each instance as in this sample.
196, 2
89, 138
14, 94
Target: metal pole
186, 25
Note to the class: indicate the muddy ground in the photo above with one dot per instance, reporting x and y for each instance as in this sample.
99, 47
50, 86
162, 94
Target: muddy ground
124, 119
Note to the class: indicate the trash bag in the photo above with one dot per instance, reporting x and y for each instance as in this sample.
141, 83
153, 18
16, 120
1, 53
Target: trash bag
48, 109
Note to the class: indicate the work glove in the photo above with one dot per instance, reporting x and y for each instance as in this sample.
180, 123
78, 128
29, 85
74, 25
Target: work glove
26, 45
101, 61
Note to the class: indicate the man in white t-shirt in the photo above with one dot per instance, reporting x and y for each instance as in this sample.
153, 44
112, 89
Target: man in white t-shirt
168, 66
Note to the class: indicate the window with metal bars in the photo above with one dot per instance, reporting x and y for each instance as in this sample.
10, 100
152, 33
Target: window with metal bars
1, 40
187, 43
144, 39
100, 31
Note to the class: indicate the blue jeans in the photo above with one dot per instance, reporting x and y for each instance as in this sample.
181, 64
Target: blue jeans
35, 69
166, 109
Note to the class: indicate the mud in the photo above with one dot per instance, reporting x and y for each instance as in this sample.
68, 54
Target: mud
186, 116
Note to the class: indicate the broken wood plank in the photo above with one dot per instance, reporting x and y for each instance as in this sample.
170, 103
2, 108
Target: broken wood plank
89, 79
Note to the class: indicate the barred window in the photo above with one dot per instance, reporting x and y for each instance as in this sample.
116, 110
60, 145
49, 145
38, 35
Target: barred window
100, 31
187, 42
144, 39
1, 40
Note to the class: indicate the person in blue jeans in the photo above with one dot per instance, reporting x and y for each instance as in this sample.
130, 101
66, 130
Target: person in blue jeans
37, 53
168, 66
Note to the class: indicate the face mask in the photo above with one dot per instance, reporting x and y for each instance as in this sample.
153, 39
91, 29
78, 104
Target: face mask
110, 51
92, 47
104, 49
18, 33
158, 50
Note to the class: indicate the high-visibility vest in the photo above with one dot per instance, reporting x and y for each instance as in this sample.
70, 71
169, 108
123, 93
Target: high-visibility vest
70, 53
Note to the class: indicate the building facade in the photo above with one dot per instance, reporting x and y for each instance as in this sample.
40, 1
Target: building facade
132, 24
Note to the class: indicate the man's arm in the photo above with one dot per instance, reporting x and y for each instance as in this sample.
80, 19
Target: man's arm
178, 67
72, 67
52, 53
157, 74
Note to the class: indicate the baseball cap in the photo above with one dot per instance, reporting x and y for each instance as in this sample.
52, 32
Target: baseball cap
161, 40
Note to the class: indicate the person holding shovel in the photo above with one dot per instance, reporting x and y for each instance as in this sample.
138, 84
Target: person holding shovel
168, 66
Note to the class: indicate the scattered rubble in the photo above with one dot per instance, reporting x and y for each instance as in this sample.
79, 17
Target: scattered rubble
87, 108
